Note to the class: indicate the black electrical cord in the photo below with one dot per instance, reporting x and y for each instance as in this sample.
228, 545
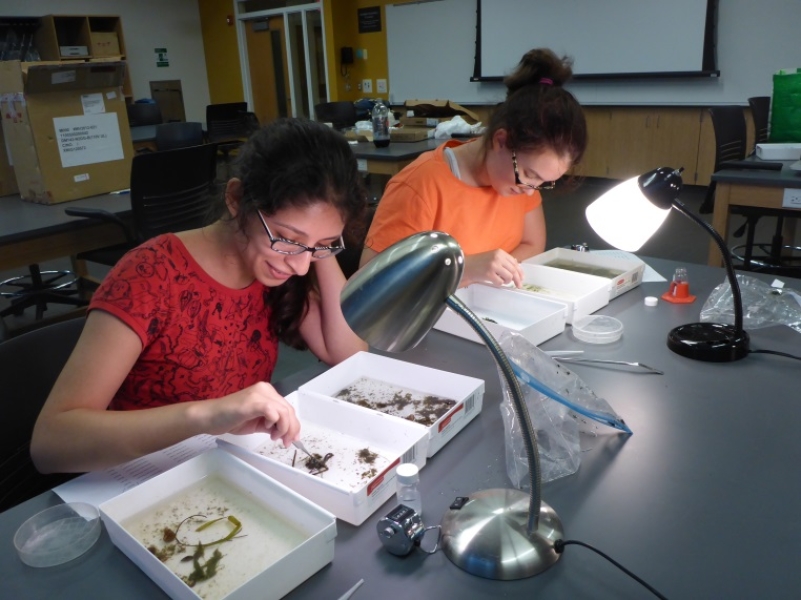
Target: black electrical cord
559, 547
776, 352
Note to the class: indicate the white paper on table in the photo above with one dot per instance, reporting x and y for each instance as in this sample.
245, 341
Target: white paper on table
649, 274
97, 487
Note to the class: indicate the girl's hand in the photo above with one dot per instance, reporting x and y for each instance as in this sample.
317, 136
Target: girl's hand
495, 267
256, 409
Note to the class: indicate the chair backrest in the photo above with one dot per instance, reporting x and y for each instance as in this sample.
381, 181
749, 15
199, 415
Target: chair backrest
171, 190
140, 113
170, 136
760, 112
31, 364
349, 258
340, 114
227, 121
730, 134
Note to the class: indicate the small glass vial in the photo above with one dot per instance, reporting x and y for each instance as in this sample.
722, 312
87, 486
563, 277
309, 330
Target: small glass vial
408, 494
380, 124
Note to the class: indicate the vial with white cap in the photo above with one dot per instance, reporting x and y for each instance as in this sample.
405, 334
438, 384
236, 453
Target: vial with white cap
408, 494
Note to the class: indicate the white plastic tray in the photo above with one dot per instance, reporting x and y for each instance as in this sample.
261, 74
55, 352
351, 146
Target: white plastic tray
583, 294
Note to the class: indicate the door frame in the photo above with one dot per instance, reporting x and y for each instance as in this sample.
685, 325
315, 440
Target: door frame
241, 22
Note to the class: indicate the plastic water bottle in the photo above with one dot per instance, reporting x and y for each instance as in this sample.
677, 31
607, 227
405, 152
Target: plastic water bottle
380, 124
408, 476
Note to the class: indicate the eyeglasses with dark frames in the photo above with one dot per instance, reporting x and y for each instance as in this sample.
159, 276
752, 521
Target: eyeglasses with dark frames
545, 185
283, 246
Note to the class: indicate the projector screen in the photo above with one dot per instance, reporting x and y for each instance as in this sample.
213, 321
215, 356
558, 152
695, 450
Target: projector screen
606, 38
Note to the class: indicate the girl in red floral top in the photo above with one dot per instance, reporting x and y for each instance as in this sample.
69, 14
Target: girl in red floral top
182, 336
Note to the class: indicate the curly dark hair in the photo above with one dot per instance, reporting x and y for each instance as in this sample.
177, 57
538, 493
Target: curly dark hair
538, 112
298, 163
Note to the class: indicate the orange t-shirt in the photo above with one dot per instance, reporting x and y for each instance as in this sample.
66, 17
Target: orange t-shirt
427, 196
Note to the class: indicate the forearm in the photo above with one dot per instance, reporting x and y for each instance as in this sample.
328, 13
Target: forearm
527, 250
84, 439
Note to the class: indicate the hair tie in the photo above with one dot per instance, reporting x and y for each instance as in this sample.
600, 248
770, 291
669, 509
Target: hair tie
546, 81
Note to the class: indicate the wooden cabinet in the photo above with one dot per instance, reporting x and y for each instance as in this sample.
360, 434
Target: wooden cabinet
93, 38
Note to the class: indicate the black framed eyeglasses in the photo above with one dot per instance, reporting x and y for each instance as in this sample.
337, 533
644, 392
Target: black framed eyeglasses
545, 185
283, 246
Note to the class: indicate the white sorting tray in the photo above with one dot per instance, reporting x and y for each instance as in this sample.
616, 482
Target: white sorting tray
467, 392
583, 294
353, 487
535, 318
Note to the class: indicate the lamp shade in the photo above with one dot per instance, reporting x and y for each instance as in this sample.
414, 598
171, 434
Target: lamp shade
395, 299
624, 217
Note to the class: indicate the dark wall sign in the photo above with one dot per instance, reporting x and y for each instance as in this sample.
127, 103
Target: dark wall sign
369, 19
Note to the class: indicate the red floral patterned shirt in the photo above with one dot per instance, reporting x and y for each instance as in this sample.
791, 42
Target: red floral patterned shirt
200, 339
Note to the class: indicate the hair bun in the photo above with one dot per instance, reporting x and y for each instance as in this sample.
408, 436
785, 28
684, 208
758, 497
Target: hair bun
539, 66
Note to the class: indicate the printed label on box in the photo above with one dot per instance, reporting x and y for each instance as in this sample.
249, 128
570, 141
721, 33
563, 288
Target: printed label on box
88, 139
81, 177
93, 104
63, 77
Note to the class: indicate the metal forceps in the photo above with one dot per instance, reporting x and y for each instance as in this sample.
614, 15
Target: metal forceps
578, 359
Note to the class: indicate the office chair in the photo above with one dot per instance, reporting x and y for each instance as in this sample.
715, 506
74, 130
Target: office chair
760, 112
228, 126
142, 113
170, 192
38, 289
170, 136
340, 114
31, 364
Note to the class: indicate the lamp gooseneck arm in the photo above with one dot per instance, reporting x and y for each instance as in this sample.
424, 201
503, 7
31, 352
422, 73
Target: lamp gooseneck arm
724, 251
529, 440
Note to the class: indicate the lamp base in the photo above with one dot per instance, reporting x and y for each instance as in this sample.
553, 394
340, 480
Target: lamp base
711, 342
488, 536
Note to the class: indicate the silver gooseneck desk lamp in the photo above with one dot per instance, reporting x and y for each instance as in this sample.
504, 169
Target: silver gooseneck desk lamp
391, 303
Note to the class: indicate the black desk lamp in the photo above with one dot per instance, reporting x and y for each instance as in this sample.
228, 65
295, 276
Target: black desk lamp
391, 303
628, 215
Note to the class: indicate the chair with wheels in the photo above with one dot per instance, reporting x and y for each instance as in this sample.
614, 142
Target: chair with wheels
170, 136
170, 192
760, 113
228, 126
39, 288
340, 114
31, 364
144, 113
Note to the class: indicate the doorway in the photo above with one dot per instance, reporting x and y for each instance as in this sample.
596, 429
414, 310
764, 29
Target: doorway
282, 51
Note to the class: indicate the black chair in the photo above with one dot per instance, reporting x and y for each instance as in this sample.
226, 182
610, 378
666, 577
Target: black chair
340, 114
31, 364
170, 192
38, 289
760, 113
144, 113
349, 258
170, 136
228, 126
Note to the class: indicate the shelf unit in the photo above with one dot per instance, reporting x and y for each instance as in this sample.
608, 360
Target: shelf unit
92, 38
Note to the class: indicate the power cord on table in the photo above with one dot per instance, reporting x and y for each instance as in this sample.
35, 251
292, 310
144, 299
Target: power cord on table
559, 547
776, 352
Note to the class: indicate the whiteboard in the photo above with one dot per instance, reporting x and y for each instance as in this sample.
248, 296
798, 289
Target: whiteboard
431, 49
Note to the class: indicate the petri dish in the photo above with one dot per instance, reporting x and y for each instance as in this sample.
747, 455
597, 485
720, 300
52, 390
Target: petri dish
58, 534
597, 329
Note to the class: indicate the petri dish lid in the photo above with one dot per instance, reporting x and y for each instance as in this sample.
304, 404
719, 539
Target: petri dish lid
58, 534
597, 329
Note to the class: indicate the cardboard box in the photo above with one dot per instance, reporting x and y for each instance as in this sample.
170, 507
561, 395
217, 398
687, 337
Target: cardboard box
501, 310
409, 134
438, 109
269, 513
423, 121
789, 151
353, 486
467, 392
8, 179
583, 294
105, 43
622, 274
67, 128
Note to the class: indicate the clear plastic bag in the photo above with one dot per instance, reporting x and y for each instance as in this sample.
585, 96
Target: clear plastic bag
763, 305
558, 418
